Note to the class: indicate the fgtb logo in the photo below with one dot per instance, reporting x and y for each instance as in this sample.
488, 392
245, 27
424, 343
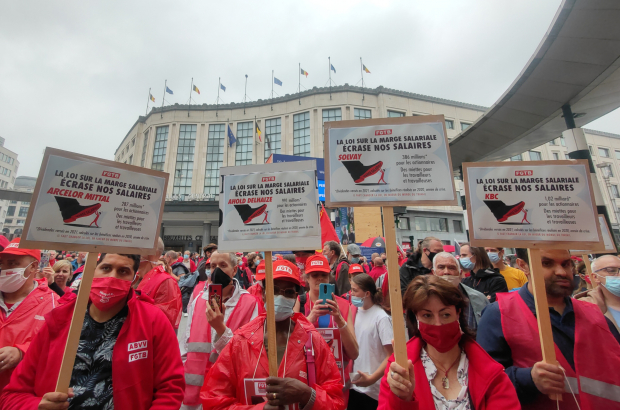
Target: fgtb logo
110, 174
525, 173
383, 132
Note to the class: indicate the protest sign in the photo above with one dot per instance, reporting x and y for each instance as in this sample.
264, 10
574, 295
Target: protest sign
609, 246
383, 161
269, 207
90, 204
534, 204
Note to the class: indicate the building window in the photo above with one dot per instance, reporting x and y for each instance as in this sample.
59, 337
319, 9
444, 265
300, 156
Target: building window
590, 149
403, 223
243, 154
20, 222
184, 168
333, 114
566, 156
517, 157
603, 152
362, 114
215, 157
8, 221
438, 224
458, 226
130, 162
159, 152
562, 141
449, 124
146, 142
607, 172
23, 211
420, 223
556, 156
11, 211
614, 191
535, 156
395, 114
273, 135
464, 126
301, 134
133, 141
553, 142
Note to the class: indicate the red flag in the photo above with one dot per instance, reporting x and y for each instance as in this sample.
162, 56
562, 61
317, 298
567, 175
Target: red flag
328, 233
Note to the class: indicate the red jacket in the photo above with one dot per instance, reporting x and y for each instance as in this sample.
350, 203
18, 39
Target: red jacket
153, 380
24, 322
377, 271
489, 386
224, 387
192, 265
164, 290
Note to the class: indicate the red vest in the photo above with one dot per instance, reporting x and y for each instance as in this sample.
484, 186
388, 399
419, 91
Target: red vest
200, 353
596, 379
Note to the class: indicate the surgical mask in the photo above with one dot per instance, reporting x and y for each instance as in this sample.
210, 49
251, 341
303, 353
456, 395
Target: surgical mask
12, 280
442, 337
208, 272
108, 292
493, 256
355, 259
219, 277
357, 301
466, 263
256, 262
283, 307
612, 284
185, 256
455, 280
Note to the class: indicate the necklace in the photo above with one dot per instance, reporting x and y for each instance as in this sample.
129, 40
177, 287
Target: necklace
445, 382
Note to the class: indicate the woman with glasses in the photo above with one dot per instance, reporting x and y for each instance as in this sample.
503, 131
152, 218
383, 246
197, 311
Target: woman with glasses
308, 377
606, 293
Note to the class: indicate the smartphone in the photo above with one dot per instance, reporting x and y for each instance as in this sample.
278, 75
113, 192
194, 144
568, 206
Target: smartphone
45, 260
325, 291
215, 296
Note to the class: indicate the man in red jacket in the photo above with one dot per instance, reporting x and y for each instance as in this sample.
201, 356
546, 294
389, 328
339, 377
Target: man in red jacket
23, 303
160, 286
127, 357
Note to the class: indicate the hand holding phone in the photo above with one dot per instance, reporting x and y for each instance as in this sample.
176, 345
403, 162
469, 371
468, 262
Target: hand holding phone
215, 296
45, 260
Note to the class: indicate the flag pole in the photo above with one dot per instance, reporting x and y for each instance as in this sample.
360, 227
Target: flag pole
147, 103
245, 95
362, 71
217, 102
299, 76
329, 70
191, 88
163, 97
271, 90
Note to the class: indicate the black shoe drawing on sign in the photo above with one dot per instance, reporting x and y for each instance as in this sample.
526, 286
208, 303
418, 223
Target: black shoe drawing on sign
502, 212
247, 213
359, 172
71, 210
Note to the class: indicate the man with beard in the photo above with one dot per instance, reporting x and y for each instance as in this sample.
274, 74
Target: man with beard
586, 343
420, 262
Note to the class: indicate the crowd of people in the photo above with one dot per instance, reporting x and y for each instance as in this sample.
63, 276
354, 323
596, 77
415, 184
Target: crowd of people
470, 318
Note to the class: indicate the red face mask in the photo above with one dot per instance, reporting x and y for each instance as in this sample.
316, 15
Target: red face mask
443, 337
105, 293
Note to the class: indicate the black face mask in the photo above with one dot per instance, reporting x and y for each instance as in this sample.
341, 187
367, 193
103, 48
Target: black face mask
431, 255
218, 277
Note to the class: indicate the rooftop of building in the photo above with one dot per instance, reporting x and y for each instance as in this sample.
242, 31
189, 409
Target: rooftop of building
25, 182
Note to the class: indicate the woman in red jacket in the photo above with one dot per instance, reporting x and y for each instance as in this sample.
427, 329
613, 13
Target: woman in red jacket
447, 368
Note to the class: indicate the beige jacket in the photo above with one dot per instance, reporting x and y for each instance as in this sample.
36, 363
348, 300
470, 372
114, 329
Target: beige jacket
597, 297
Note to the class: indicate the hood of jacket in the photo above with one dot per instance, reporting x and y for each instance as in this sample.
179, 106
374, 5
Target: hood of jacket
180, 265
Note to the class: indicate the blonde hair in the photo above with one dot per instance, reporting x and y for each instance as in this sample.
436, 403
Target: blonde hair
61, 264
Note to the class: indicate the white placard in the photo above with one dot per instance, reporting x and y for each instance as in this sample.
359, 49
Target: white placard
530, 204
87, 203
388, 162
269, 207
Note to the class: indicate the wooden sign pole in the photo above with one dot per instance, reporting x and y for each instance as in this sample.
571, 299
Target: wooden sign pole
75, 330
586, 261
542, 311
396, 300
272, 353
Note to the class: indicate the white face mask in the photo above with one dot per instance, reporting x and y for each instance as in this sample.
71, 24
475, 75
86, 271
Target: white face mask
13, 279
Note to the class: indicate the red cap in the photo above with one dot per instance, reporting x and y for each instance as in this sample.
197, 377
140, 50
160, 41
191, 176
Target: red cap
3, 242
14, 249
355, 268
260, 271
286, 270
576, 258
239, 253
317, 263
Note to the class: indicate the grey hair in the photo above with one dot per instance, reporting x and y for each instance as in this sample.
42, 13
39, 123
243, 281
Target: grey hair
172, 255
597, 261
446, 255
160, 246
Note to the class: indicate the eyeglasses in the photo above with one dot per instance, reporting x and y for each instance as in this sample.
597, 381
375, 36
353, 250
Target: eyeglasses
287, 293
611, 271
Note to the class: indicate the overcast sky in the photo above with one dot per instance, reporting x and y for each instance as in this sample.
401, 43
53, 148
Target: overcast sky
75, 75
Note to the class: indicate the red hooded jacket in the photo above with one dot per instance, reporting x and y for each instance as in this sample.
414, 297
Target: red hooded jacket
489, 386
192, 265
164, 290
152, 380
224, 387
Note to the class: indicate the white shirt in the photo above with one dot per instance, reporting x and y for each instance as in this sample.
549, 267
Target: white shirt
462, 375
373, 330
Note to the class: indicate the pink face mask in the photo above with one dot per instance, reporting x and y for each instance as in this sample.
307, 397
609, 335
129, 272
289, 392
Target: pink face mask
105, 293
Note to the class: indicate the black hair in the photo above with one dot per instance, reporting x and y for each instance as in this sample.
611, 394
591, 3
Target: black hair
522, 254
135, 258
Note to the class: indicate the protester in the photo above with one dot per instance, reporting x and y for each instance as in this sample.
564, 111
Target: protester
378, 269
420, 262
484, 277
244, 274
374, 335
384, 257
203, 266
78, 263
159, 285
582, 278
127, 356
446, 267
339, 266
257, 288
447, 369
354, 253
606, 294
185, 260
62, 273
515, 278
372, 259
508, 331
311, 384
207, 335
52, 255
23, 303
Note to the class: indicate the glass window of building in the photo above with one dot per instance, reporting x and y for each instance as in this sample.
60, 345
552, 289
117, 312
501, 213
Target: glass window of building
562, 141
535, 156
8, 221
420, 223
146, 142
614, 191
23, 211
607, 172
301, 134
449, 124
403, 223
617, 154
11, 211
333, 114
131, 160
603, 152
464, 125
184, 168
273, 136
133, 141
566, 156
362, 114
245, 138
590, 149
215, 157
552, 142
556, 156
517, 157
159, 152
438, 224
20, 222
395, 114
458, 226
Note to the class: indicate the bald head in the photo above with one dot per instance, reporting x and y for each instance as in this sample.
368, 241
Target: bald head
605, 261
378, 261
